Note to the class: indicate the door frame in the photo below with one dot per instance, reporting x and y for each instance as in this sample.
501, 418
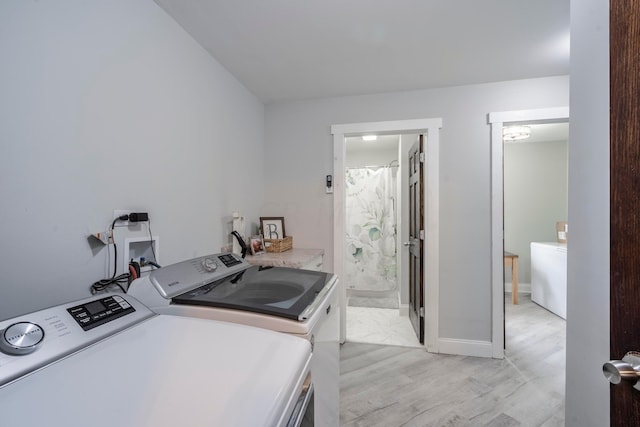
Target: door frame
497, 120
431, 128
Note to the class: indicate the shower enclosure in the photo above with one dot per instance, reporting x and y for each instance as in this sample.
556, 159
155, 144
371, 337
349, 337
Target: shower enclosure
370, 226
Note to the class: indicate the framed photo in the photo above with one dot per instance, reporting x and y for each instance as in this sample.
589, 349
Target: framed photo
257, 246
272, 227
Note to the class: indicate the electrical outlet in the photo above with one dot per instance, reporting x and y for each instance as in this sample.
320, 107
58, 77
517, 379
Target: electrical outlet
119, 212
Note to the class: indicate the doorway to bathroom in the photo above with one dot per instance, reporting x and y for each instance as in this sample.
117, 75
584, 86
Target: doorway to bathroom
429, 129
373, 210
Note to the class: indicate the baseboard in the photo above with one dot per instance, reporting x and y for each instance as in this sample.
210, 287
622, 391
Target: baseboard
523, 288
465, 347
404, 310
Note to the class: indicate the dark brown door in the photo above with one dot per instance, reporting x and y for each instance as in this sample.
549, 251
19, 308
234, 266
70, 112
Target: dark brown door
625, 198
416, 231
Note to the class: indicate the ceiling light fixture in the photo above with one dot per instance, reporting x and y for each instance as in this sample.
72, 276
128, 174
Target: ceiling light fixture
369, 137
515, 133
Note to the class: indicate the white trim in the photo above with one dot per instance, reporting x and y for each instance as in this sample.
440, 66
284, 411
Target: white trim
339, 154
388, 127
430, 127
403, 310
497, 241
401, 226
432, 247
466, 347
496, 120
546, 115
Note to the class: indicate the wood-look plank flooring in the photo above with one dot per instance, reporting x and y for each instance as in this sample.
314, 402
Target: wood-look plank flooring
399, 386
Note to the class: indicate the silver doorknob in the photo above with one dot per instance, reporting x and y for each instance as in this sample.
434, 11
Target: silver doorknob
626, 370
408, 243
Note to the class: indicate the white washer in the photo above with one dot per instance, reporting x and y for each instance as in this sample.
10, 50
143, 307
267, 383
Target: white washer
292, 301
111, 361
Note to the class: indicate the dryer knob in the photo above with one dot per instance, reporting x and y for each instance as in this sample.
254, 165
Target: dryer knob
21, 338
209, 264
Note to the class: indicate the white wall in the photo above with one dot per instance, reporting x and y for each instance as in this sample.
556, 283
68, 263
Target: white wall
535, 198
587, 393
110, 105
298, 149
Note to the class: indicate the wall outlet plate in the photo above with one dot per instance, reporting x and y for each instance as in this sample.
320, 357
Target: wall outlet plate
120, 212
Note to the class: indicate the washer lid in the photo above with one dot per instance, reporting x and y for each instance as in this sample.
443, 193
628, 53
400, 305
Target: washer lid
166, 371
278, 291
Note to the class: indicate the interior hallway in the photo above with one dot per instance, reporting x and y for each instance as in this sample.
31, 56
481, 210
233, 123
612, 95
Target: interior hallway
383, 385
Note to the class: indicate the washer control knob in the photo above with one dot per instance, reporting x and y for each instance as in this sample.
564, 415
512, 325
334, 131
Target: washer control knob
21, 338
209, 264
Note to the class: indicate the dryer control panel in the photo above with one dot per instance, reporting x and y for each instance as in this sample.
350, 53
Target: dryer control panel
176, 279
37, 339
99, 312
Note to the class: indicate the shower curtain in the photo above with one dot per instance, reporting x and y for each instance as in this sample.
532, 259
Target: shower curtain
370, 226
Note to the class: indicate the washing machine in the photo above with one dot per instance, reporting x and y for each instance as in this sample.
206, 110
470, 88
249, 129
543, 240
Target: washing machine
109, 360
291, 301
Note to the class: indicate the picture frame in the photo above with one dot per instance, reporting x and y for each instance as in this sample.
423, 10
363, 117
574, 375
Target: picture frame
257, 245
272, 227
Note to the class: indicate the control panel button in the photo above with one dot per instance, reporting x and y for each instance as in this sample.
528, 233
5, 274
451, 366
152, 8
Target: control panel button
21, 338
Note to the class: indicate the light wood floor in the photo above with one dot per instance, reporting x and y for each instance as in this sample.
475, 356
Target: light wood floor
399, 386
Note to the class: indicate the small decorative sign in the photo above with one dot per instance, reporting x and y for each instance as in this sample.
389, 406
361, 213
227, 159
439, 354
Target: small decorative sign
272, 227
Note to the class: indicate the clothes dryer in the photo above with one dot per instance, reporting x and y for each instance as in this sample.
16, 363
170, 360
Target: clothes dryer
109, 360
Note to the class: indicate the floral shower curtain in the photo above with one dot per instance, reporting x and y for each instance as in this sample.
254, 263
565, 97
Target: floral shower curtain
370, 229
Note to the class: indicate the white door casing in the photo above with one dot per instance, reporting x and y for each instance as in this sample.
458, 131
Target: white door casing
431, 129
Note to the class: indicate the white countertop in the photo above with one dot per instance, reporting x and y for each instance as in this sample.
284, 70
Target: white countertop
294, 258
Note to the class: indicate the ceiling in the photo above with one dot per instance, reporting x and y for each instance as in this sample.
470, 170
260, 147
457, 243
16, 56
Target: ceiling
546, 132
355, 144
284, 50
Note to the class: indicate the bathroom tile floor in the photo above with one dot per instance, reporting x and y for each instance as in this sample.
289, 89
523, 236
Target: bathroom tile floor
380, 326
